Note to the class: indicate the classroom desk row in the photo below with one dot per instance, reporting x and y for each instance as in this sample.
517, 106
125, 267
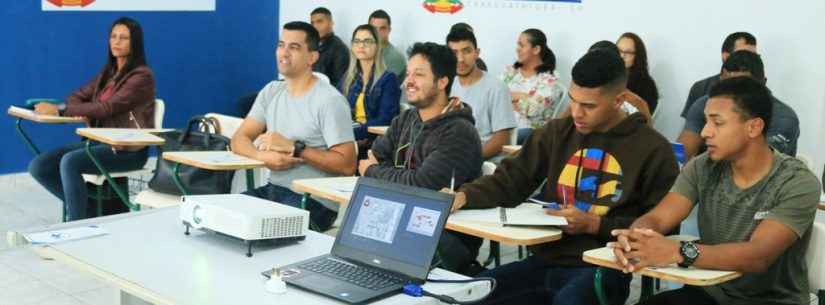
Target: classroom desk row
340, 189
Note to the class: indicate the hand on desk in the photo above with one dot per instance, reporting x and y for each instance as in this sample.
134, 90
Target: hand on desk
276, 142
636, 249
277, 161
363, 165
46, 109
578, 222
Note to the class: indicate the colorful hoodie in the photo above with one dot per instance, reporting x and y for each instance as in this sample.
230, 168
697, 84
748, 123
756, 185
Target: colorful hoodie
427, 154
622, 174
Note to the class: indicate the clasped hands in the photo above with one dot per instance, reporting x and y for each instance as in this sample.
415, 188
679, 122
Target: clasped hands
275, 151
636, 249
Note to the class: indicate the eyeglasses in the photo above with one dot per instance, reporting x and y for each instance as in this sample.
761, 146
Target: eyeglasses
364, 43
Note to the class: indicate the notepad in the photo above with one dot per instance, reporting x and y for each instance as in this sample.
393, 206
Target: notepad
58, 236
522, 215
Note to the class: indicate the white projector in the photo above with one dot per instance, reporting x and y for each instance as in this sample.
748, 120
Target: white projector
244, 217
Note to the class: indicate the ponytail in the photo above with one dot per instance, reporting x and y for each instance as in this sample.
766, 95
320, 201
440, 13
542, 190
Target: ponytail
548, 59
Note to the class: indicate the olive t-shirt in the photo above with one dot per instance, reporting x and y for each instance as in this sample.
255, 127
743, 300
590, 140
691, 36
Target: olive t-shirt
788, 194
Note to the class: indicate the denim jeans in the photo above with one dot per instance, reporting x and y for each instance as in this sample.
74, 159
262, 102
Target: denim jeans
60, 172
522, 134
530, 281
321, 216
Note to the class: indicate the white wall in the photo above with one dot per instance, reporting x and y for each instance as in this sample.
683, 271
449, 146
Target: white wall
683, 40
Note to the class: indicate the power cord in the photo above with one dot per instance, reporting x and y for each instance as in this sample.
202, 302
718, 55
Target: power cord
415, 290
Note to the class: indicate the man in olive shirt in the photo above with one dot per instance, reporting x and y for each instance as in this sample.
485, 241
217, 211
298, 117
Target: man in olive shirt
395, 61
757, 208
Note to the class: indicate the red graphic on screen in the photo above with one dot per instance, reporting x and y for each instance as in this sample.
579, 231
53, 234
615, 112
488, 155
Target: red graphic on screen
80, 3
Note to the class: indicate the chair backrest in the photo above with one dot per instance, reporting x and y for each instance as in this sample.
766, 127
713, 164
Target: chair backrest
228, 124
815, 257
488, 168
160, 109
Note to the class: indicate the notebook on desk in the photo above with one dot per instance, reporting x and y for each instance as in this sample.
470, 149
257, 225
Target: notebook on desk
526, 214
387, 239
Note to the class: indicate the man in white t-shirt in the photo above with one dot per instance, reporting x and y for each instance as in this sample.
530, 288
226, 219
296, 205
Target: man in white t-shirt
300, 127
488, 97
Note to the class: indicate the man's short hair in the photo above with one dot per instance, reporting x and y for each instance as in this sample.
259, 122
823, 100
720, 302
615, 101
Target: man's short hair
462, 35
441, 58
605, 45
312, 37
600, 69
750, 97
461, 26
730, 41
380, 14
745, 61
321, 10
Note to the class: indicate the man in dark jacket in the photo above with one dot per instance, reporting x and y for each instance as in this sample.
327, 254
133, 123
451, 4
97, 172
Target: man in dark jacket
434, 145
334, 54
602, 166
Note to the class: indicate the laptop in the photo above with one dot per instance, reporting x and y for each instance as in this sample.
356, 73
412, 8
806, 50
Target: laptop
387, 239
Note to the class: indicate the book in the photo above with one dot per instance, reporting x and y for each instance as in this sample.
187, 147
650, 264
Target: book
526, 214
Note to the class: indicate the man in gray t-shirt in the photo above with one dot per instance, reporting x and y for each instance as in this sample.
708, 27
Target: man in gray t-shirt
300, 127
782, 127
756, 207
488, 97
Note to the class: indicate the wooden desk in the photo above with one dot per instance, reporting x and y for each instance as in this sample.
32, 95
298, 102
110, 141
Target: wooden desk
339, 190
510, 149
27, 114
122, 136
213, 160
147, 256
691, 276
30, 115
379, 130
821, 206
118, 137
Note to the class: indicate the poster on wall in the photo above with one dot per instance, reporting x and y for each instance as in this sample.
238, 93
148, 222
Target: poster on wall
128, 5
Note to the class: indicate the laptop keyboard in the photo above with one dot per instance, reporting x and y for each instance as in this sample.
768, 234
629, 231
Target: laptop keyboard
359, 276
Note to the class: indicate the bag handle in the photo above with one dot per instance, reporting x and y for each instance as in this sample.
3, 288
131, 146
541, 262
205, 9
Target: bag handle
198, 119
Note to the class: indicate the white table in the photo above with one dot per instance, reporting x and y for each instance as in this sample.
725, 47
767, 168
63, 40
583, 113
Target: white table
148, 257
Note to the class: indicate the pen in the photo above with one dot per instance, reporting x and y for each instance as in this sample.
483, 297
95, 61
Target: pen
452, 181
545, 205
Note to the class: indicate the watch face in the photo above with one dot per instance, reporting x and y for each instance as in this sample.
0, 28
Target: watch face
691, 251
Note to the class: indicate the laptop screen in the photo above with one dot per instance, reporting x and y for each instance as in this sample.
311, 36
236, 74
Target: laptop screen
393, 227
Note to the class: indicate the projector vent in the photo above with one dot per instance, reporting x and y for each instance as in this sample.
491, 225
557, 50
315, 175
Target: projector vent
281, 227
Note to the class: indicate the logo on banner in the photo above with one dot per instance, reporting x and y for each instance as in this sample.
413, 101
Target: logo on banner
443, 6
81, 3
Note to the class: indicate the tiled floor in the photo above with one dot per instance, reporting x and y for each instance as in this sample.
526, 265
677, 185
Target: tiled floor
27, 279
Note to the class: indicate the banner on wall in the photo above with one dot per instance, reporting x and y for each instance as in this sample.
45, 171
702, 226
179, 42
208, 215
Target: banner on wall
128, 5
454, 6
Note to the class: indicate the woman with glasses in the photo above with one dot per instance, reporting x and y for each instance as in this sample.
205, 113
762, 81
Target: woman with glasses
634, 54
373, 91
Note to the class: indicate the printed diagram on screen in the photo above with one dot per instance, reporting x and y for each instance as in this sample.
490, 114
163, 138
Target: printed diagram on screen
378, 219
423, 221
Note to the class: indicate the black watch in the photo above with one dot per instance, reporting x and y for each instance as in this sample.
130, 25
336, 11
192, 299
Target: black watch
298, 148
689, 251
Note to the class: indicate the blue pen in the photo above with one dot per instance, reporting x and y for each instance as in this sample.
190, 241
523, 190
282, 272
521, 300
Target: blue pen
546, 205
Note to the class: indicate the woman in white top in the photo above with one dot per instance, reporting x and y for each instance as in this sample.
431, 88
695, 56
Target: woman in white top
535, 90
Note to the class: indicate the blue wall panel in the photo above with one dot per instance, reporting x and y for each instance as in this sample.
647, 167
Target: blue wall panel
203, 61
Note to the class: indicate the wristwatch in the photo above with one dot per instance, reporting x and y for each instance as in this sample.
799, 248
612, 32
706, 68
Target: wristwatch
689, 252
298, 148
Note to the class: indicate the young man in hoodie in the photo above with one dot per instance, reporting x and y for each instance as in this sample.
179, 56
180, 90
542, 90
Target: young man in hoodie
603, 166
756, 212
434, 144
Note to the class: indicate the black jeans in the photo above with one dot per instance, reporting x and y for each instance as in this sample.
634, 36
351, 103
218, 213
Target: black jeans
687, 295
321, 216
530, 281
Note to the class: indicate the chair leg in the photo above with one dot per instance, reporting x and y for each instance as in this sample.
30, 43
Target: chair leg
99, 200
495, 255
597, 285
